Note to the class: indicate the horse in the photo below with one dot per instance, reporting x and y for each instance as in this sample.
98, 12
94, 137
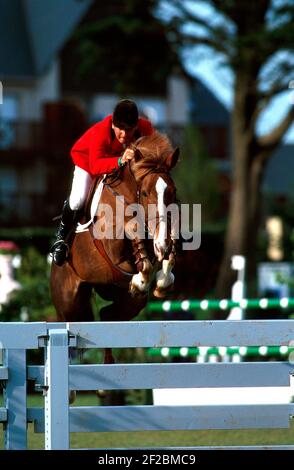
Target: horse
116, 266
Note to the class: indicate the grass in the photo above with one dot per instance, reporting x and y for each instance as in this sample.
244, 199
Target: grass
108, 440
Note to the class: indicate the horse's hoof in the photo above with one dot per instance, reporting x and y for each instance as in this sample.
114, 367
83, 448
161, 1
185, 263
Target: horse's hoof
72, 396
136, 293
138, 286
160, 293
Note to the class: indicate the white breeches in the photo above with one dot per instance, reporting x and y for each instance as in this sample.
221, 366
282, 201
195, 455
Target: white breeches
80, 187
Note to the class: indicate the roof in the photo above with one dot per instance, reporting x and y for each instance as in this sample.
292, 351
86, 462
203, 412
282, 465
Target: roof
206, 109
16, 58
31, 33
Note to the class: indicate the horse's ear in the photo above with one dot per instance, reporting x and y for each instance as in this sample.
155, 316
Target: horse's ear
172, 159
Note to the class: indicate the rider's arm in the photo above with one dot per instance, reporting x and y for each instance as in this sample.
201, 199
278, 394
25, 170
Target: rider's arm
94, 148
100, 161
102, 157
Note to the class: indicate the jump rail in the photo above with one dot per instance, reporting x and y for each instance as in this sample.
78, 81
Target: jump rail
56, 377
220, 304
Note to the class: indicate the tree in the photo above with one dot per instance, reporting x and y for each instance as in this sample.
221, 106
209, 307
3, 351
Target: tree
119, 46
256, 40
33, 298
203, 187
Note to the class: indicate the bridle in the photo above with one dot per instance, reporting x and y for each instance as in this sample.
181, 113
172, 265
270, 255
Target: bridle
117, 174
149, 231
158, 218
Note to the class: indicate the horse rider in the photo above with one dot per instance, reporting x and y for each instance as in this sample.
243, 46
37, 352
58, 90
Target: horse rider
101, 149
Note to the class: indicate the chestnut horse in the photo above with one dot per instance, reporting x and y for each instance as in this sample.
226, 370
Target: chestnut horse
120, 268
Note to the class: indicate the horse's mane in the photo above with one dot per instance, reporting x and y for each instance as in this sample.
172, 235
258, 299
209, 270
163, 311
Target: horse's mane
153, 150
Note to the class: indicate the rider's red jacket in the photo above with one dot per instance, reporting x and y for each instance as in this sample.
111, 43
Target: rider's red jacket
98, 150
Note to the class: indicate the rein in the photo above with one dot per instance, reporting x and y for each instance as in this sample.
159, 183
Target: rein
138, 246
138, 192
118, 273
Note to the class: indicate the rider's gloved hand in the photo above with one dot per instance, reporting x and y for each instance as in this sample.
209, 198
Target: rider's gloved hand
127, 155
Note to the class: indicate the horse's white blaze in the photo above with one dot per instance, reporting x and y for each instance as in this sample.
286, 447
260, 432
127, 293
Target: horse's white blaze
159, 239
164, 277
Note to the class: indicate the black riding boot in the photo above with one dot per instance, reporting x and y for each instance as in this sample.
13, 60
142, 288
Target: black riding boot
60, 249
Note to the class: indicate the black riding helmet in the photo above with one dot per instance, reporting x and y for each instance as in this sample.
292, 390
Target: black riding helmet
125, 115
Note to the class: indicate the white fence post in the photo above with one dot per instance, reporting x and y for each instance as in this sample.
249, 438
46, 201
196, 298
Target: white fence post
56, 398
238, 289
15, 400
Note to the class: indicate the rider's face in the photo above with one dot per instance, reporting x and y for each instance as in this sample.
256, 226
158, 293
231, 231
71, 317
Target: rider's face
124, 136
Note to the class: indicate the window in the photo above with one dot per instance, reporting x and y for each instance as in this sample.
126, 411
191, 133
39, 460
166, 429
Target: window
9, 109
8, 186
9, 113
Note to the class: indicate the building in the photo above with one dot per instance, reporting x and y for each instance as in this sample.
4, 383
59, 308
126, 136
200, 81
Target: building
31, 37
44, 112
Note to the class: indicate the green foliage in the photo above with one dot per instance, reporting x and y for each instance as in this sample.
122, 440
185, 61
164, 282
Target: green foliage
196, 175
120, 46
256, 41
34, 297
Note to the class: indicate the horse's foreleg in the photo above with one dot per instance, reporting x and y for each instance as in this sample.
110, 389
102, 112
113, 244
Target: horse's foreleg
165, 278
140, 282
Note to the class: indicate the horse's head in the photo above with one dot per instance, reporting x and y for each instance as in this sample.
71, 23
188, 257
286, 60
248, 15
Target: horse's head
154, 158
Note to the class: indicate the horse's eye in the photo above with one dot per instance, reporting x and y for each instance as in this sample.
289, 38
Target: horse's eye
144, 193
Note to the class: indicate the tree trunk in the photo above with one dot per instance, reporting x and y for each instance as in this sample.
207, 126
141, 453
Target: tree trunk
237, 235
243, 225
260, 161
256, 175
